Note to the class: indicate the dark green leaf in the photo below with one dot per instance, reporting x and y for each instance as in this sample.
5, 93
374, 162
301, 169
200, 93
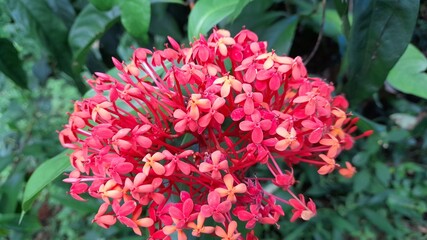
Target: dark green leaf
89, 207
383, 173
380, 221
5, 161
103, 5
238, 9
158, 26
38, 18
207, 13
408, 75
332, 26
281, 34
63, 9
361, 181
11, 64
10, 192
89, 26
136, 15
42, 70
42, 176
380, 33
11, 222
341, 7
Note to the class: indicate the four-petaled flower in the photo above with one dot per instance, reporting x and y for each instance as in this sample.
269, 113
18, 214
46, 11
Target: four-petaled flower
348, 171
289, 139
231, 233
215, 207
216, 165
151, 162
257, 126
199, 227
250, 98
231, 190
329, 166
213, 112
228, 82
197, 102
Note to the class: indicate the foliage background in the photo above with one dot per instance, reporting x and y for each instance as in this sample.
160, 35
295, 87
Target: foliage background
48, 48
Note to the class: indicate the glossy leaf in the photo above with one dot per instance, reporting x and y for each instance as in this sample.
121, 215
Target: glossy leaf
380, 33
281, 34
103, 5
408, 75
11, 64
136, 15
89, 26
207, 13
42, 176
39, 19
64, 10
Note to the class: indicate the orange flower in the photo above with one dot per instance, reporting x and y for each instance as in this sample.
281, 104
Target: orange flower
199, 227
329, 166
152, 162
348, 171
231, 191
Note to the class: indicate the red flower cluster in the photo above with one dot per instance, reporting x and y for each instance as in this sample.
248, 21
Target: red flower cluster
175, 142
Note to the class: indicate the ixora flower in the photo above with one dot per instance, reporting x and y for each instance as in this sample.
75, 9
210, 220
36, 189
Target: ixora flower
173, 144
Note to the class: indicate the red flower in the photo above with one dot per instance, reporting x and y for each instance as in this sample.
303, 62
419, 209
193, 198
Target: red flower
215, 207
301, 209
216, 165
256, 126
182, 146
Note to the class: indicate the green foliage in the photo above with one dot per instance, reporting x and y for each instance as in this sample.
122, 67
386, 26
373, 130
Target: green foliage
136, 17
89, 26
48, 45
408, 75
42, 176
281, 34
11, 64
207, 14
371, 51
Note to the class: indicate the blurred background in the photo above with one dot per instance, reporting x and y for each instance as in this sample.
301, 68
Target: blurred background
49, 47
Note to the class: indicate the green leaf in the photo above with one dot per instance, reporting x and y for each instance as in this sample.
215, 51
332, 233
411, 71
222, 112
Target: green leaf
361, 181
103, 5
157, 25
10, 222
11, 64
10, 192
383, 173
281, 34
380, 221
136, 15
64, 10
333, 23
380, 33
408, 75
207, 13
89, 26
42, 176
39, 19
